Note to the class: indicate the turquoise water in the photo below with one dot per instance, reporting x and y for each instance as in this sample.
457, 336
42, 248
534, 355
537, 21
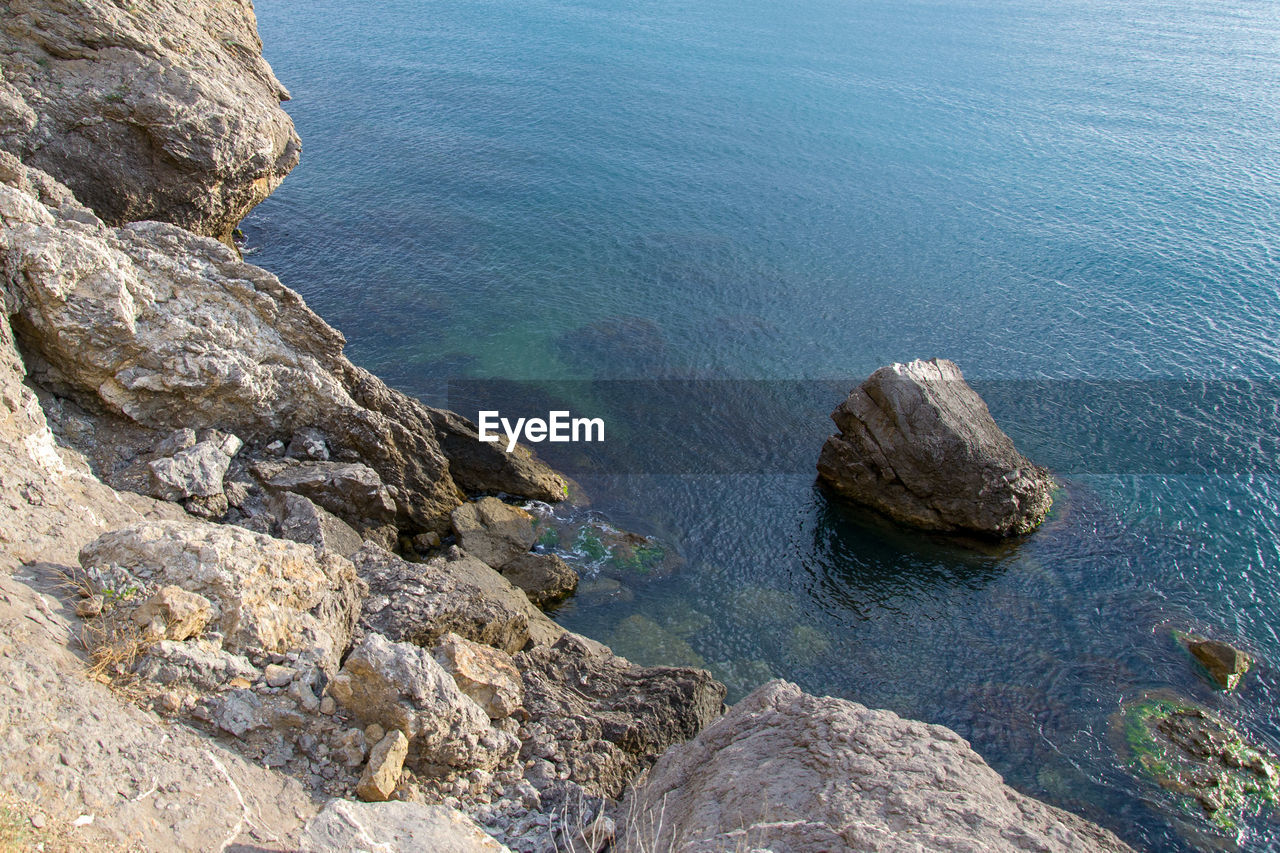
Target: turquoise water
1038, 190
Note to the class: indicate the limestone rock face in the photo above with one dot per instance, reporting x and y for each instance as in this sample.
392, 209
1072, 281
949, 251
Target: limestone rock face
195, 471
918, 444
545, 578
165, 329
421, 602
493, 531
395, 827
484, 673
787, 771
270, 594
159, 110
178, 614
605, 718
349, 490
400, 686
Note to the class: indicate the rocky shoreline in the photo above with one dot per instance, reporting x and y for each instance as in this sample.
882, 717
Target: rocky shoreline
253, 598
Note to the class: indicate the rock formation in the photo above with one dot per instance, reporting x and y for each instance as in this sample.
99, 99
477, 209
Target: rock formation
161, 329
787, 771
918, 444
160, 110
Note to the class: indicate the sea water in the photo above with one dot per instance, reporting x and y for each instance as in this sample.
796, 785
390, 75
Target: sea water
756, 204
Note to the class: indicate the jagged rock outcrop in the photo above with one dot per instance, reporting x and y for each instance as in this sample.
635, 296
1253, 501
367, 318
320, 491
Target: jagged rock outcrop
918, 444
163, 329
602, 719
161, 110
478, 469
794, 773
270, 594
421, 602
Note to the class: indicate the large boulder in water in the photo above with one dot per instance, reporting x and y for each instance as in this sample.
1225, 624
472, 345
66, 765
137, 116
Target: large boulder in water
918, 444
786, 771
161, 110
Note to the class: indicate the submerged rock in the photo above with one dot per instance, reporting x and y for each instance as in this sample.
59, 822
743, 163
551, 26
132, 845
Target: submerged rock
161, 111
919, 445
1200, 758
783, 770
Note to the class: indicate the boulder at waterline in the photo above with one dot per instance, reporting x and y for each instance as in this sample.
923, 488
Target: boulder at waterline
786, 771
1225, 663
545, 578
917, 444
493, 531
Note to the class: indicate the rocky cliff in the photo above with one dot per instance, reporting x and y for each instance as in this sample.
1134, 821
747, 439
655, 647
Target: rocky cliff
226, 608
160, 109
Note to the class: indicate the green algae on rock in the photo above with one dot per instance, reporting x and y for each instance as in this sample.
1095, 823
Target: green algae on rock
1200, 758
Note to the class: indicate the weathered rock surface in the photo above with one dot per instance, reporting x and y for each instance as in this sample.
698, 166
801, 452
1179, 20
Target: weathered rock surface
303, 521
162, 110
400, 686
545, 578
602, 717
421, 602
201, 665
270, 594
174, 614
77, 748
484, 673
492, 531
795, 773
386, 761
343, 826
348, 490
919, 445
194, 471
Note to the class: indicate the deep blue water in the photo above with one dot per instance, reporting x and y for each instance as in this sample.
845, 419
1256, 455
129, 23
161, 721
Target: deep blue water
1051, 191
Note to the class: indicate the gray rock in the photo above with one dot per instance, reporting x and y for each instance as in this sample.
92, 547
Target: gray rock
795, 773
1225, 663
196, 471
202, 665
351, 491
179, 439
395, 827
160, 111
272, 595
421, 602
918, 444
545, 578
606, 718
303, 521
493, 531
400, 686
310, 444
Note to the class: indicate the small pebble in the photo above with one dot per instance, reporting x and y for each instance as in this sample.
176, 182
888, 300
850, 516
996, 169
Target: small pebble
328, 706
38, 820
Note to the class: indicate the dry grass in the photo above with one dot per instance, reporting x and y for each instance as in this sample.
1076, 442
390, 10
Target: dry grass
111, 639
19, 835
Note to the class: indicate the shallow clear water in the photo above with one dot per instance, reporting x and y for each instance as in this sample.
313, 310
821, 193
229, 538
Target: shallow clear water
702, 188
